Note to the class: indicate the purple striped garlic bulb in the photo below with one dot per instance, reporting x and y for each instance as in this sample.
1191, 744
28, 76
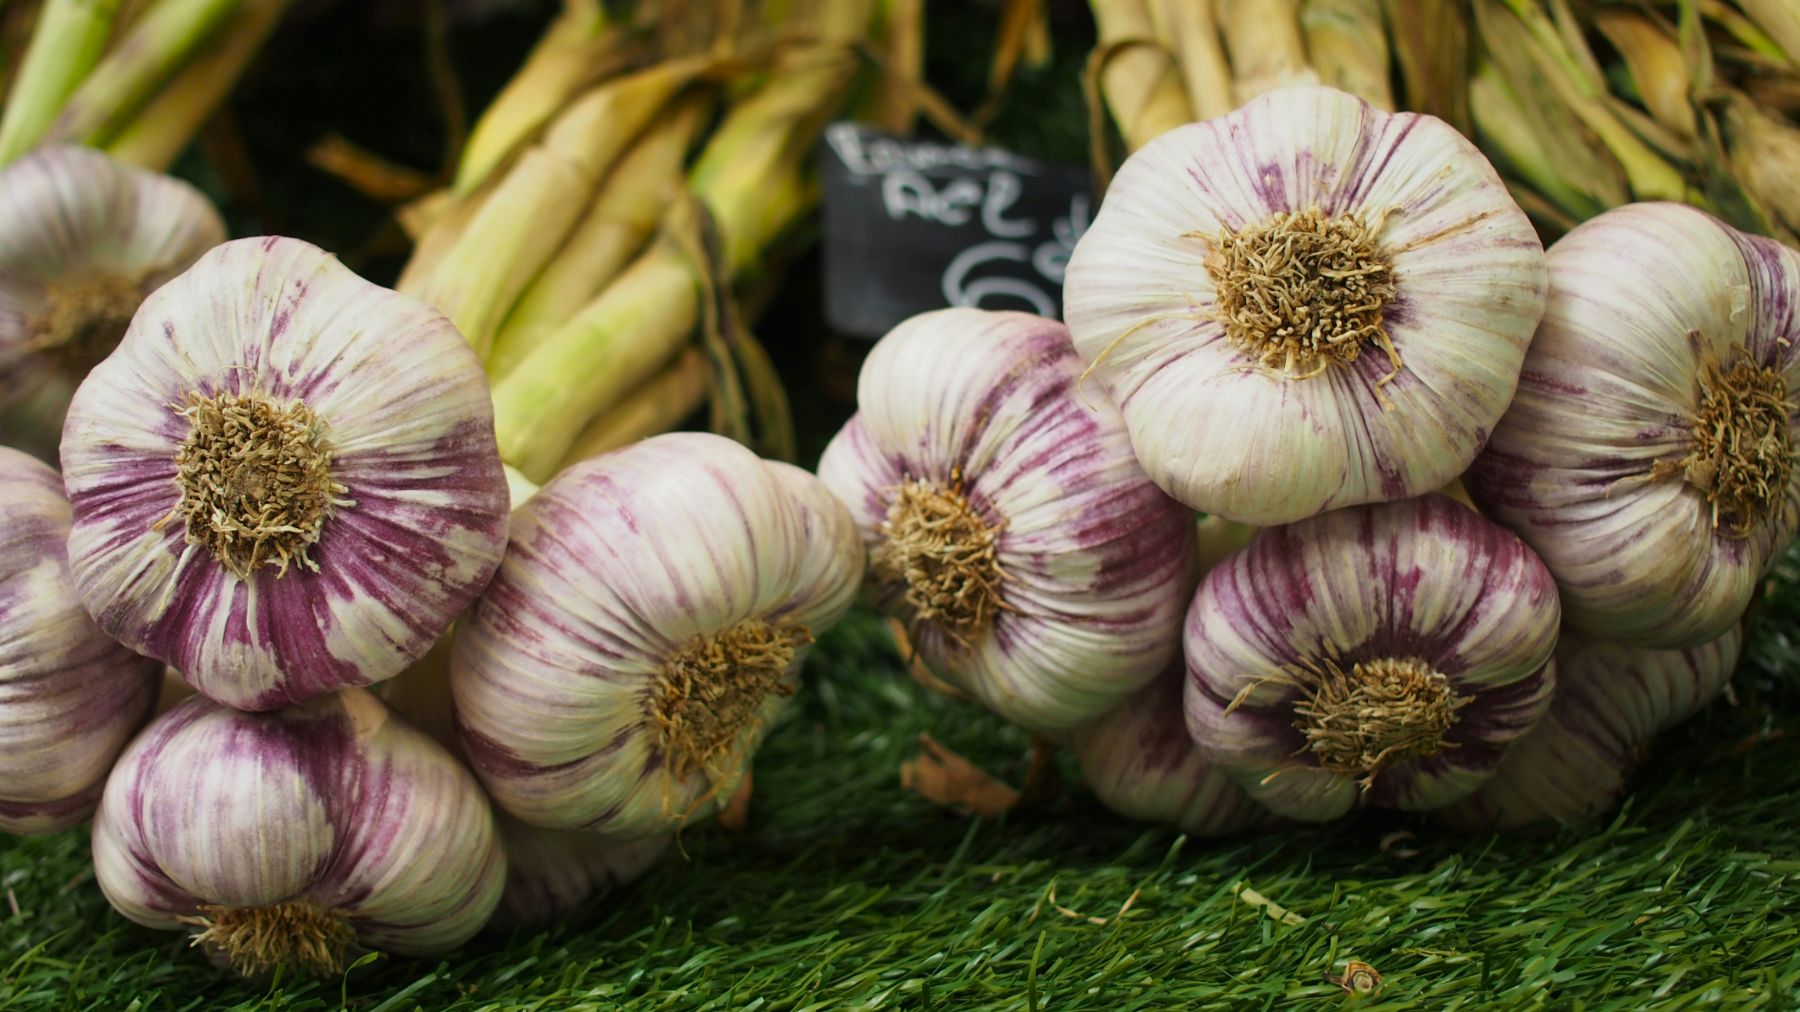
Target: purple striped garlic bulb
549, 872
1138, 759
1611, 700
553, 872
1649, 455
70, 696
293, 839
645, 630
1306, 304
82, 240
285, 480
1380, 655
1008, 524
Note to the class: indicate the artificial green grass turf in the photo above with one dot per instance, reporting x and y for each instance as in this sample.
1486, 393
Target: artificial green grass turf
845, 892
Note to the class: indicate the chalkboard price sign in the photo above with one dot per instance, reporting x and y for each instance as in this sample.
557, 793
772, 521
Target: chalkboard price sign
917, 225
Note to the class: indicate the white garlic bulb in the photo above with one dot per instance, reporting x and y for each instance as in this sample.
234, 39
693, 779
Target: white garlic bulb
1138, 759
70, 697
1383, 655
1649, 455
1007, 521
82, 240
294, 838
645, 629
285, 479
1611, 700
1306, 304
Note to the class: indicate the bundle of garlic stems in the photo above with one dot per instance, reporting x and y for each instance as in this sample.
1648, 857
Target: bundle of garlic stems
136, 78
592, 273
1582, 106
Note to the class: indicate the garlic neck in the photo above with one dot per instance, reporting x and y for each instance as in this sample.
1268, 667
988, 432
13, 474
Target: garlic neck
712, 691
1741, 456
83, 320
256, 483
936, 546
1375, 715
1301, 291
293, 933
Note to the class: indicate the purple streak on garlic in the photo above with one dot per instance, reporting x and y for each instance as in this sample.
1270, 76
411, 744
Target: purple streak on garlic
1138, 759
82, 240
1306, 304
70, 696
644, 631
296, 837
1611, 700
382, 513
1648, 457
553, 872
1007, 521
1379, 655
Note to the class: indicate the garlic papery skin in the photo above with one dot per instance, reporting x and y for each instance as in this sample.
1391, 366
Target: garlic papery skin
1649, 455
294, 838
1382, 655
1008, 524
70, 696
1140, 762
554, 872
1611, 700
1306, 304
285, 480
82, 240
645, 630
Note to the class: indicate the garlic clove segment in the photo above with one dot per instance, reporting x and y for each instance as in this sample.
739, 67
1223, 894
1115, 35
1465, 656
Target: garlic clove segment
294, 838
1138, 759
1381, 655
285, 480
645, 629
553, 872
1649, 455
1008, 523
1611, 700
70, 697
82, 240
1306, 304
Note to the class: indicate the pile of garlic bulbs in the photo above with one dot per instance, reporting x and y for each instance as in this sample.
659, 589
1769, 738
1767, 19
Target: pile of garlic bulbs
282, 481
1475, 521
1315, 323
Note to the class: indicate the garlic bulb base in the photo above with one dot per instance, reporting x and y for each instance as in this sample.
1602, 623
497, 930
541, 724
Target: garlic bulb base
83, 319
714, 689
295, 934
1378, 713
936, 546
1303, 291
1740, 459
255, 477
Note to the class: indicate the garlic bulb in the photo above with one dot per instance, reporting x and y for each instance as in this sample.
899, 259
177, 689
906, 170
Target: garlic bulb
82, 240
69, 696
645, 629
1007, 521
285, 480
1306, 304
1379, 655
551, 872
291, 839
1610, 701
1649, 456
1138, 759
